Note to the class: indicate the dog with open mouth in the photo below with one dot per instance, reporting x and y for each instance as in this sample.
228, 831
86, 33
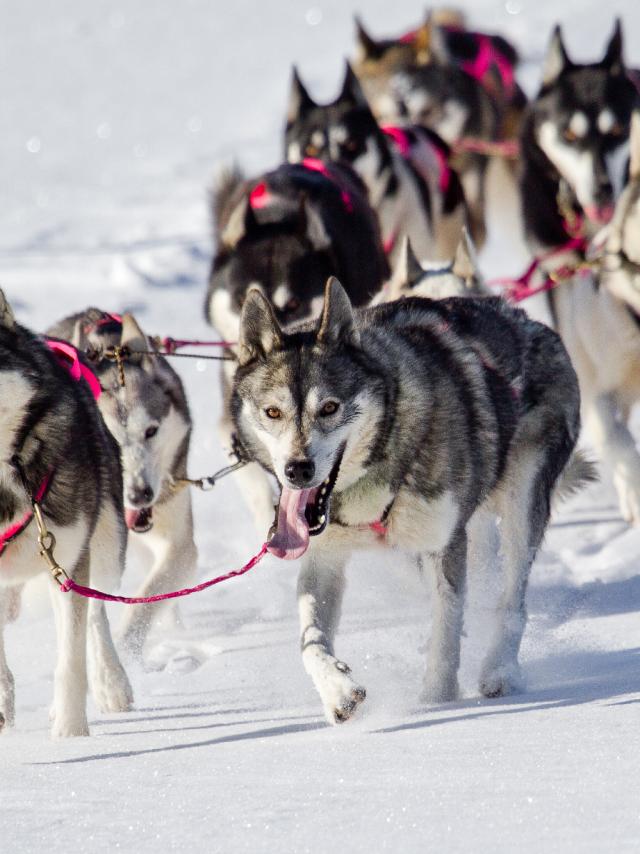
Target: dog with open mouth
150, 419
405, 425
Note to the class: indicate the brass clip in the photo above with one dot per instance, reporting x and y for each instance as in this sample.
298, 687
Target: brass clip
47, 543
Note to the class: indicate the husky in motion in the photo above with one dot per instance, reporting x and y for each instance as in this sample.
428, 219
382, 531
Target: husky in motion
461, 277
600, 320
575, 146
394, 426
149, 418
406, 170
55, 447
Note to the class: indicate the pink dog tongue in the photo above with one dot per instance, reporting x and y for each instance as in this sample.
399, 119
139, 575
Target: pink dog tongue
291, 538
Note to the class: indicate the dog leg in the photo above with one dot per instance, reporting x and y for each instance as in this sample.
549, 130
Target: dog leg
110, 686
175, 561
7, 686
320, 590
618, 448
441, 683
523, 504
70, 681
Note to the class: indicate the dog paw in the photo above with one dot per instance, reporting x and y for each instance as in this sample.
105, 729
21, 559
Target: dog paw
341, 696
629, 498
501, 681
113, 693
439, 689
70, 726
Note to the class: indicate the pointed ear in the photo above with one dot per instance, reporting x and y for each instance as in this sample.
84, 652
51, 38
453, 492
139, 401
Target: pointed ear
312, 226
337, 322
422, 43
351, 90
634, 145
367, 47
407, 272
260, 332
438, 51
556, 59
409, 269
6, 313
299, 99
465, 263
239, 223
612, 58
132, 336
79, 338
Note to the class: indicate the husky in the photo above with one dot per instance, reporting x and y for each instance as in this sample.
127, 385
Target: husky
575, 146
411, 185
599, 316
149, 418
460, 84
55, 448
459, 278
394, 426
287, 231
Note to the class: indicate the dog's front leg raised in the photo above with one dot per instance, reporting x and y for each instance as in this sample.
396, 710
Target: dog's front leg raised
7, 690
449, 574
70, 682
618, 448
320, 590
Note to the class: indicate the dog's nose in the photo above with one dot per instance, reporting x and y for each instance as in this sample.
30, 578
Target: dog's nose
140, 496
300, 472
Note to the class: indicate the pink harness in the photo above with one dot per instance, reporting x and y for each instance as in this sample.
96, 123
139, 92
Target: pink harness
67, 356
261, 197
407, 149
487, 56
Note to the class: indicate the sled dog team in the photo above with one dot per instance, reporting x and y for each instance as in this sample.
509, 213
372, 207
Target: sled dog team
379, 394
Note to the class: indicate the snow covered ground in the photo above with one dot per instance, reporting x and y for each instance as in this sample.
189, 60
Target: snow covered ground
112, 118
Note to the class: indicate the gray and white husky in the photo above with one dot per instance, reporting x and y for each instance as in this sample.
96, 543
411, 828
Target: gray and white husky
54, 444
461, 277
396, 426
599, 316
149, 417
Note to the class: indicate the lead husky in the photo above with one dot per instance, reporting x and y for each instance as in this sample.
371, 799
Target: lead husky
393, 426
599, 317
54, 444
411, 186
149, 417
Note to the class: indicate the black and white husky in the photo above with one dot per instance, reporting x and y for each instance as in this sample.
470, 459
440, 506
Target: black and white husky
396, 426
54, 446
149, 417
575, 145
599, 316
411, 185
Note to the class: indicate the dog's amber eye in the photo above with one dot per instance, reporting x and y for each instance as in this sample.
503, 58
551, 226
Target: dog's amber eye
617, 130
150, 432
351, 145
292, 305
273, 412
330, 408
311, 151
569, 135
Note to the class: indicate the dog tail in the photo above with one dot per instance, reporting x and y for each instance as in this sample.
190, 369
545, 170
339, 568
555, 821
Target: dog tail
578, 472
225, 184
